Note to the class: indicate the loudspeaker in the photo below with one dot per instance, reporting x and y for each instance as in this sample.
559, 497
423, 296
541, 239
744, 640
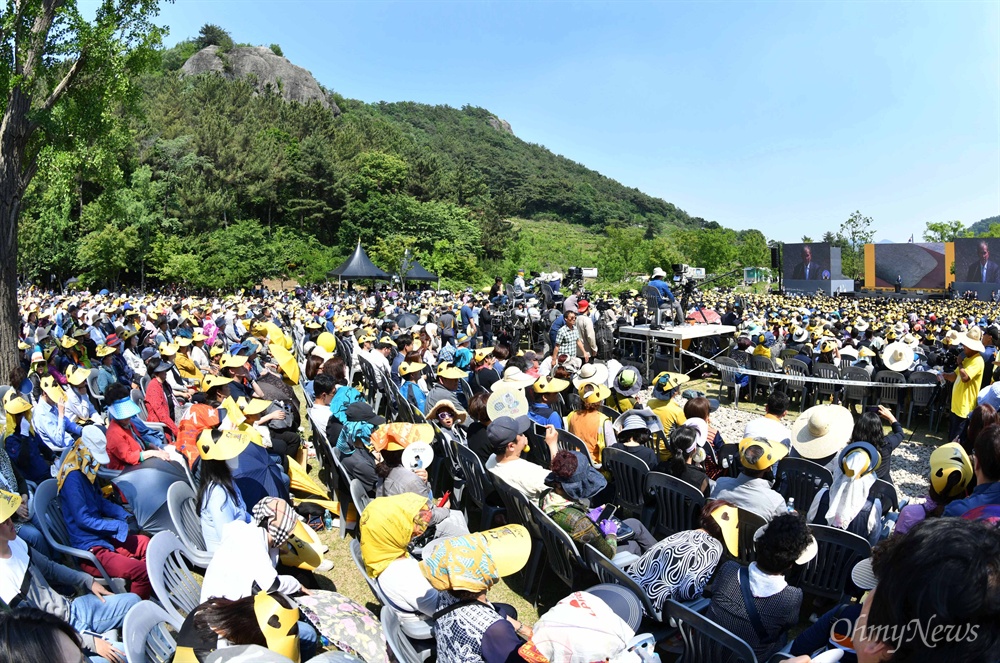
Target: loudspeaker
775, 257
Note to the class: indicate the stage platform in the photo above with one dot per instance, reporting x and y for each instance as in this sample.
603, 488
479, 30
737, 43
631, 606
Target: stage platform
669, 340
921, 295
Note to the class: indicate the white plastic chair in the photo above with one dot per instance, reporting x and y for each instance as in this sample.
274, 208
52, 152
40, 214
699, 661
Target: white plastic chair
175, 586
146, 635
187, 524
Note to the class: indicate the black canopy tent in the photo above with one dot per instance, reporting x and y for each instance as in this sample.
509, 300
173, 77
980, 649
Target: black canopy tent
412, 270
359, 266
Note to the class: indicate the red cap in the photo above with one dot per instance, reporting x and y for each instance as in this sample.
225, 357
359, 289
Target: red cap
582, 305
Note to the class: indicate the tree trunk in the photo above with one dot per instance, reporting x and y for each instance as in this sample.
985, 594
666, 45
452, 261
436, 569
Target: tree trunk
13, 138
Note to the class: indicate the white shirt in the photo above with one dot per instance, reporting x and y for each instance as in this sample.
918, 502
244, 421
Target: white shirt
769, 429
242, 559
521, 474
406, 587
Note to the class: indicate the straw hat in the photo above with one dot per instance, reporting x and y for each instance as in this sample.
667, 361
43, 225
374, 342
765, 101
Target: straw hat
897, 356
445, 404
822, 431
597, 373
971, 343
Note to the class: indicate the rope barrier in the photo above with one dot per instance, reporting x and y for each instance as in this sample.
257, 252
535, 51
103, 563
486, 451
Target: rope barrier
806, 378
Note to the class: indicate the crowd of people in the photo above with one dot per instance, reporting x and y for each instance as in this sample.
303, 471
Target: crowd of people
241, 392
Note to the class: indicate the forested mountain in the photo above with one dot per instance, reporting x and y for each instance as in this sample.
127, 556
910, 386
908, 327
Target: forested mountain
218, 180
983, 226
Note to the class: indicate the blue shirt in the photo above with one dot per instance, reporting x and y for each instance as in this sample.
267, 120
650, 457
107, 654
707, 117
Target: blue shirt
990, 396
662, 288
91, 520
26, 455
544, 415
984, 493
412, 392
57, 433
219, 511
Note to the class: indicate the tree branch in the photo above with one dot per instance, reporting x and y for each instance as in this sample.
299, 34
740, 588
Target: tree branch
64, 84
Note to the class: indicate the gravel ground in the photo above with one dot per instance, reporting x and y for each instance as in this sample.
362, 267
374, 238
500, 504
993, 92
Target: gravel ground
910, 460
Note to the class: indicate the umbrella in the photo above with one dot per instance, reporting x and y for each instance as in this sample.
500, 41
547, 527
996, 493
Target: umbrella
144, 488
710, 317
407, 320
257, 476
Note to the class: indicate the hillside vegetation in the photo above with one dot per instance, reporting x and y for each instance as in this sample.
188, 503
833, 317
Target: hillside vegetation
220, 183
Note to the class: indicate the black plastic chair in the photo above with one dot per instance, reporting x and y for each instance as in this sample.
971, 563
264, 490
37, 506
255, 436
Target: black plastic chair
678, 504
560, 549
855, 393
519, 512
477, 486
802, 479
922, 398
827, 574
889, 392
629, 474
796, 368
764, 365
749, 523
569, 442
887, 493
705, 641
826, 372
728, 458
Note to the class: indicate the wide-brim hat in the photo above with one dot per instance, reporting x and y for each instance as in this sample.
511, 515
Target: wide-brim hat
971, 343
638, 419
945, 460
583, 484
597, 373
772, 453
411, 367
547, 385
800, 335
230, 444
52, 389
864, 468
594, 392
482, 353
211, 381
9, 504
102, 351
666, 382
250, 407
232, 361
445, 404
627, 382
821, 431
14, 403
123, 408
399, 435
898, 356
67, 341
76, 375
450, 371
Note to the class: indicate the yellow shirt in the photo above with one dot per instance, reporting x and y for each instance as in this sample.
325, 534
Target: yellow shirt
964, 394
187, 368
671, 414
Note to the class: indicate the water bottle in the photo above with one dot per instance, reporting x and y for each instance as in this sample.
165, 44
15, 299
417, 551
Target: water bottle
791, 505
327, 520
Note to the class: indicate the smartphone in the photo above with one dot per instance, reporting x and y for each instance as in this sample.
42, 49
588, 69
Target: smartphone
872, 408
608, 512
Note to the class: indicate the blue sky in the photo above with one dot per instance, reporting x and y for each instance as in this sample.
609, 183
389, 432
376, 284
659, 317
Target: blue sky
781, 116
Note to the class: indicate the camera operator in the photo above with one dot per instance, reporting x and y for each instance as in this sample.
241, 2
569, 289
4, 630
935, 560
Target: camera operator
665, 299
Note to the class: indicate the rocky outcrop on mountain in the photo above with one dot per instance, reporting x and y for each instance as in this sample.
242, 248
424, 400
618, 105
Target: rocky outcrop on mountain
502, 126
269, 69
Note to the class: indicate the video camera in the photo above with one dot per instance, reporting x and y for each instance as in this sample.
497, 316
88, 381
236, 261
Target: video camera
686, 277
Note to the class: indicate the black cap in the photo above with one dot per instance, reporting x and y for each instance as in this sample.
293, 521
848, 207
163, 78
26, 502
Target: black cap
362, 411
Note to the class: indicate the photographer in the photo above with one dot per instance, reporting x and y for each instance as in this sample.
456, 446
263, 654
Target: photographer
966, 379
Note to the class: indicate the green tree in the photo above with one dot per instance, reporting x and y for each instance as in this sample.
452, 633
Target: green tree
856, 232
276, 49
623, 252
104, 254
61, 76
753, 249
213, 35
806, 239
944, 231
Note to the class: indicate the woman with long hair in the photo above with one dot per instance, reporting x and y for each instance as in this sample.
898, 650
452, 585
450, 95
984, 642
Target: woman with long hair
685, 451
868, 428
219, 501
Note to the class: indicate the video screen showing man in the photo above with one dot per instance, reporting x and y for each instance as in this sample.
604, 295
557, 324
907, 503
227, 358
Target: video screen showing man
808, 269
983, 270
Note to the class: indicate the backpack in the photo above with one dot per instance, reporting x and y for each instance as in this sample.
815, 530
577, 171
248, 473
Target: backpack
605, 339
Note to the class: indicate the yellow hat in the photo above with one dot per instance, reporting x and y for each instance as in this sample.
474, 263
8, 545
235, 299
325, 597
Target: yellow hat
276, 622
547, 385
183, 342
286, 360
728, 519
450, 371
946, 460
594, 392
67, 341
483, 353
232, 361
769, 454
215, 444
252, 406
76, 375
666, 382
168, 349
52, 389
198, 336
14, 403
9, 504
411, 367
211, 381
104, 350
215, 351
